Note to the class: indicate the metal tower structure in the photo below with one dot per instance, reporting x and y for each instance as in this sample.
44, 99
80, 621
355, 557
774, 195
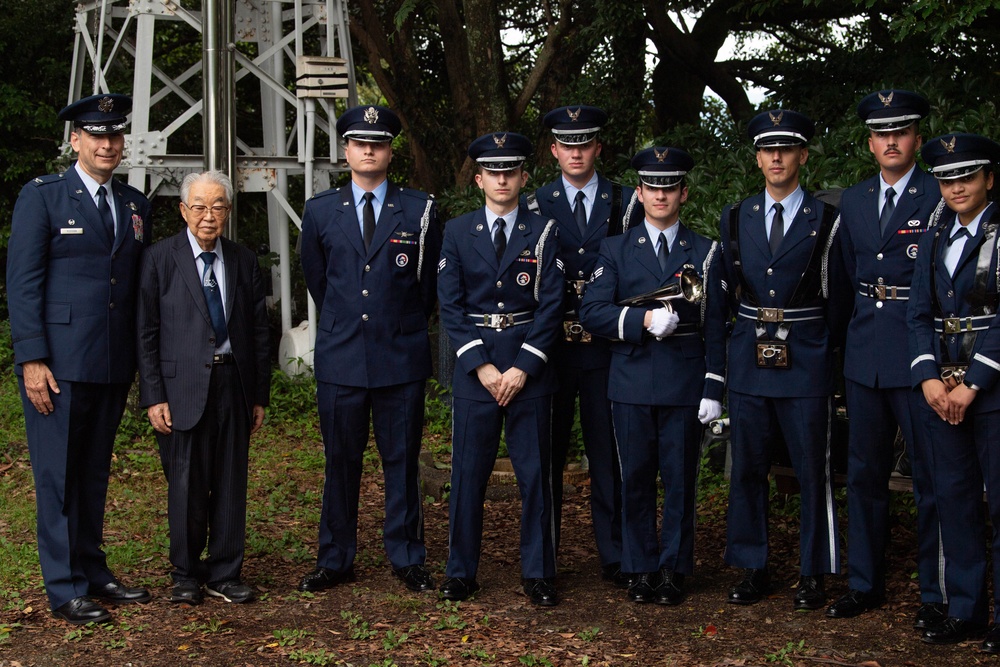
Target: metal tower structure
294, 54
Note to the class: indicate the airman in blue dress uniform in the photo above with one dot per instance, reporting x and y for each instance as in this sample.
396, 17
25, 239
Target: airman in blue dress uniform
72, 274
501, 292
954, 337
667, 372
881, 221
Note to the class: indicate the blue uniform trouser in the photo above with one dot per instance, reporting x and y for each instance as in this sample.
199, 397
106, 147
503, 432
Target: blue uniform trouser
805, 424
70, 450
664, 439
475, 440
599, 443
964, 457
875, 415
397, 419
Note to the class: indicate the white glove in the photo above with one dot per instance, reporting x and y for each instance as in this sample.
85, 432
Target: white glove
709, 410
663, 323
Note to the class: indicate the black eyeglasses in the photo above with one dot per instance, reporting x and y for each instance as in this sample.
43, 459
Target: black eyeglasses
200, 210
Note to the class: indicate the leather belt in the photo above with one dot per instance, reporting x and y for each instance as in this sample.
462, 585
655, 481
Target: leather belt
954, 325
885, 292
226, 358
780, 314
500, 321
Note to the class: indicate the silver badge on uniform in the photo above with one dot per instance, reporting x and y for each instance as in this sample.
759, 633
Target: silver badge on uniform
913, 223
521, 227
911, 251
479, 228
642, 239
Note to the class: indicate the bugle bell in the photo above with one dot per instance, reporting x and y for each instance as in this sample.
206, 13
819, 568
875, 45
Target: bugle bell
688, 286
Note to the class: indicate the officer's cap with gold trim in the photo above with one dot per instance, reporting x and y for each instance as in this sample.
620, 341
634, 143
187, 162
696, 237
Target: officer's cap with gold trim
956, 155
780, 127
99, 114
500, 151
891, 110
369, 123
662, 166
575, 125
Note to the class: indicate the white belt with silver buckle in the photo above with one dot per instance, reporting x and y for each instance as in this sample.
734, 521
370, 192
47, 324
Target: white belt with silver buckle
501, 320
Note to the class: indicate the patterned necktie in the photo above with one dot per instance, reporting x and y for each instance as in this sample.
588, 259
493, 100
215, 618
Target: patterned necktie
887, 209
662, 252
580, 213
213, 298
105, 209
777, 230
368, 219
499, 238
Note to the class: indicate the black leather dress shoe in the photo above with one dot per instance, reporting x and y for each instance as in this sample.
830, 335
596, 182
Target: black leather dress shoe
752, 588
854, 603
323, 578
643, 587
186, 592
952, 631
670, 591
613, 572
929, 615
992, 642
541, 592
80, 611
458, 588
116, 592
416, 577
233, 590
810, 594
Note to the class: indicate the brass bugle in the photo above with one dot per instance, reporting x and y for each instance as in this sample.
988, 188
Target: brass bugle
688, 286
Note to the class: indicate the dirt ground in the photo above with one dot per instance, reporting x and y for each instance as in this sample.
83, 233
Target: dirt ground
378, 622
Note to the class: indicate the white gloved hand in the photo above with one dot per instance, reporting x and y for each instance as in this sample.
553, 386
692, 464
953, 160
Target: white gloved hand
663, 323
709, 410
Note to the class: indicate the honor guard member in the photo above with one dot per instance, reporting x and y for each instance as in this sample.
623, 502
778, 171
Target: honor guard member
588, 208
779, 257
955, 347
500, 287
72, 274
667, 371
369, 253
881, 221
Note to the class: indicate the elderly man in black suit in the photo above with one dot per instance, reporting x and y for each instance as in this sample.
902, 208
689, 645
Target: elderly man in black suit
205, 379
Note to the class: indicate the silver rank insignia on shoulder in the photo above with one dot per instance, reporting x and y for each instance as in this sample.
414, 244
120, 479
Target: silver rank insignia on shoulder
912, 190
479, 228
38, 180
132, 206
521, 227
525, 253
642, 239
756, 207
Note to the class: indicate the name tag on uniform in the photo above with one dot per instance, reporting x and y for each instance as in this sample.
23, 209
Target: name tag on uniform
71, 230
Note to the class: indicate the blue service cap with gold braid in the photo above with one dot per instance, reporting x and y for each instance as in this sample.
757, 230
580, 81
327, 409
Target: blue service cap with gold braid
99, 114
956, 155
575, 125
891, 110
780, 127
662, 166
500, 151
369, 123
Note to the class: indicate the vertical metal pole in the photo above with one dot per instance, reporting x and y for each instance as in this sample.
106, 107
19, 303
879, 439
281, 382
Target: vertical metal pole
219, 92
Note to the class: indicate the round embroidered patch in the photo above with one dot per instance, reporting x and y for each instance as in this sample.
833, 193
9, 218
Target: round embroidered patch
523, 279
911, 251
402, 259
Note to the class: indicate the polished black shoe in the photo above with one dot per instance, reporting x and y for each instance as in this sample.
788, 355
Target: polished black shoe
323, 578
992, 642
458, 588
416, 577
752, 588
613, 572
952, 631
233, 590
80, 611
116, 592
854, 603
541, 592
810, 594
929, 615
643, 587
670, 591
186, 592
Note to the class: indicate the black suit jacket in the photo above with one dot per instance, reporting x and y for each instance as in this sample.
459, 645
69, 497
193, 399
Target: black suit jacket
176, 339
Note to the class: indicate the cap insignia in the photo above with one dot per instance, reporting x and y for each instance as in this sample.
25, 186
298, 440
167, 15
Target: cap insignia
500, 141
106, 104
660, 157
949, 146
886, 99
776, 119
573, 115
371, 115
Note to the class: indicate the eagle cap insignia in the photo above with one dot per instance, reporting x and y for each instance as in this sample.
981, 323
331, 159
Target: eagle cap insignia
949, 145
500, 141
660, 157
776, 119
573, 115
371, 115
106, 104
886, 99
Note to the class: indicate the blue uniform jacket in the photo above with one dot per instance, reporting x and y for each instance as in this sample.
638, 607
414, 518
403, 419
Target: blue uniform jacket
374, 305
646, 370
526, 280
773, 280
875, 355
70, 289
925, 346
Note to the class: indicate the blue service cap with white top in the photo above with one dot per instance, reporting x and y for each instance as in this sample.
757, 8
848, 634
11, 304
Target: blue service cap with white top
891, 110
780, 127
500, 151
99, 114
956, 155
662, 166
369, 123
575, 125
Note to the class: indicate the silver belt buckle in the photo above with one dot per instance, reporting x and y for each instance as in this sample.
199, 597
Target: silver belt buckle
498, 321
771, 314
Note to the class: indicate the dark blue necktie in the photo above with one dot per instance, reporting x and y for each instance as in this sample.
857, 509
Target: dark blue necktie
213, 298
777, 229
887, 210
105, 209
580, 213
662, 252
500, 238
